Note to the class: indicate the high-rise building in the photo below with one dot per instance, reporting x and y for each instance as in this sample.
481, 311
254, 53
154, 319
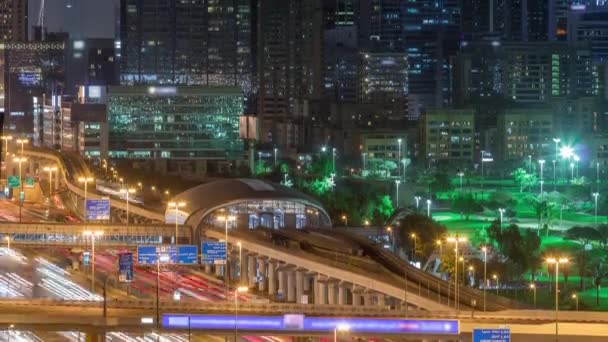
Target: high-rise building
523, 132
448, 135
13, 20
591, 25
195, 42
90, 62
289, 65
175, 129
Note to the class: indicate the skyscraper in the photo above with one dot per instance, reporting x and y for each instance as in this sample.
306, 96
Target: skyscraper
197, 42
13, 20
289, 64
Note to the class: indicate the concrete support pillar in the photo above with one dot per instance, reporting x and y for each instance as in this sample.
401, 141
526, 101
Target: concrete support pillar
342, 291
291, 286
331, 293
367, 298
218, 270
315, 289
272, 279
307, 282
380, 299
322, 292
251, 272
356, 297
299, 286
208, 268
262, 274
244, 269
282, 284
95, 337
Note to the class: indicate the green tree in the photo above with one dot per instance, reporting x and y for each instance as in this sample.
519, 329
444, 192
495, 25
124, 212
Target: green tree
465, 204
441, 183
426, 230
584, 235
523, 179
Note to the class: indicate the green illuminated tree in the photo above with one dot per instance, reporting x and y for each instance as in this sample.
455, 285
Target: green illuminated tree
523, 179
465, 204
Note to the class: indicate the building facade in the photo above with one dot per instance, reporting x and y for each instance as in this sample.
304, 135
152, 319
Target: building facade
525, 132
448, 135
13, 20
177, 129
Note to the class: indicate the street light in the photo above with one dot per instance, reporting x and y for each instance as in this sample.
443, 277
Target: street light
595, 194
485, 281
140, 186
556, 262
226, 219
240, 259
576, 160
502, 211
93, 235
20, 160
342, 328
176, 206
533, 288
572, 172
417, 198
50, 170
22, 142
240, 289
554, 177
472, 270
460, 174
85, 180
428, 207
575, 297
399, 157
127, 192
333, 158
275, 156
8, 242
397, 182
495, 277
414, 237
345, 220
456, 240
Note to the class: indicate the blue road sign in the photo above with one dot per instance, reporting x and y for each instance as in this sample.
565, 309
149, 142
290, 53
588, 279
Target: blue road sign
125, 267
491, 335
98, 209
146, 255
187, 255
86, 257
213, 253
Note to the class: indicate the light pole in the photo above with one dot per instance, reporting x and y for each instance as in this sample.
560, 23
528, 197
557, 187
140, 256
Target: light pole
556, 141
240, 258
164, 258
529, 163
576, 160
414, 237
417, 198
333, 158
428, 207
542, 196
542, 164
140, 186
572, 172
502, 211
176, 206
364, 162
259, 157
533, 288
482, 162
485, 268
554, 177
22, 142
275, 156
20, 160
85, 180
345, 220
50, 170
8, 242
456, 240
597, 176
6, 139
127, 192
575, 297
557, 262
93, 235
397, 182
122, 182
495, 277
595, 194
460, 174
399, 157
226, 219
240, 289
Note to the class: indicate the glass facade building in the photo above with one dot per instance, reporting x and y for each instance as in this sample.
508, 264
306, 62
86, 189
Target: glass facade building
175, 123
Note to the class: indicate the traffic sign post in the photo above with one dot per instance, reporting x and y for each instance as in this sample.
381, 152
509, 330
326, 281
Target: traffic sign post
491, 335
29, 182
13, 182
213, 253
187, 255
125, 267
98, 209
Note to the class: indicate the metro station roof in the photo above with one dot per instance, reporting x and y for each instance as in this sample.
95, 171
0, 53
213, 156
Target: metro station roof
205, 198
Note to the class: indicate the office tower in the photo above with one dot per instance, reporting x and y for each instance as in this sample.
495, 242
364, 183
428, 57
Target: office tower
591, 25
90, 62
289, 60
13, 20
196, 42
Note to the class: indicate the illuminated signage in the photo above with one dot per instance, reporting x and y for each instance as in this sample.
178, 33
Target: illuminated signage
162, 90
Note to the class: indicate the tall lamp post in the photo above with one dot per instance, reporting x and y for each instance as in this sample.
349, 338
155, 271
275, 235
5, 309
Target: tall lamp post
541, 162
275, 156
239, 290
456, 240
554, 175
126, 192
417, 198
533, 288
345, 220
176, 206
6, 139
93, 235
20, 160
50, 170
85, 180
460, 174
428, 207
575, 297
399, 156
485, 280
226, 219
495, 277
597, 175
22, 142
397, 182
557, 262
333, 158
501, 211
414, 238
595, 195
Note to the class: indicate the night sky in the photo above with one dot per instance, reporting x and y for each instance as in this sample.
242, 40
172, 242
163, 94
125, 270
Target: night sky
86, 18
